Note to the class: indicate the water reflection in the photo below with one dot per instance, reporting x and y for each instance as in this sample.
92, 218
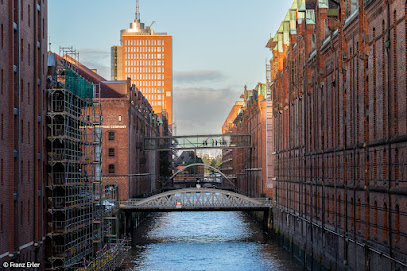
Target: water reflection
205, 241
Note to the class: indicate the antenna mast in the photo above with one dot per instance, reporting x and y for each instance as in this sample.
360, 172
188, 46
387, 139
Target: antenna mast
137, 10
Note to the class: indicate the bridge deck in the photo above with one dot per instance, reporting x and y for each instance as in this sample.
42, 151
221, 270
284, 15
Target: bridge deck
219, 141
196, 199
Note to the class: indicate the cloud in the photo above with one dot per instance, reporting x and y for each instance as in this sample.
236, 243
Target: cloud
88, 51
202, 110
197, 76
96, 59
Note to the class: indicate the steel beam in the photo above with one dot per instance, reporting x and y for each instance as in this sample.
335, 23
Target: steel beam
190, 142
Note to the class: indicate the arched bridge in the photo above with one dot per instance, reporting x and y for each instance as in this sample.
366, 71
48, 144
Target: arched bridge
197, 199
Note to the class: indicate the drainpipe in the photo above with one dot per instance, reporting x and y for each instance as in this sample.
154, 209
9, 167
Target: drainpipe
34, 125
17, 135
388, 126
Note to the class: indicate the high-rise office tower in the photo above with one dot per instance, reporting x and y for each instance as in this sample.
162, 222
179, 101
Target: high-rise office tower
23, 83
146, 57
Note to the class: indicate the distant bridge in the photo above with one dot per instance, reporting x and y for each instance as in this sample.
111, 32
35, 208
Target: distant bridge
196, 199
191, 142
205, 165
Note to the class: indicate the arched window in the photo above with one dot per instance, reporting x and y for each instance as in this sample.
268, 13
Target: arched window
111, 136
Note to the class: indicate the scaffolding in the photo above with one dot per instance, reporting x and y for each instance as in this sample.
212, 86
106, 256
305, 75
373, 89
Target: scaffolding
74, 162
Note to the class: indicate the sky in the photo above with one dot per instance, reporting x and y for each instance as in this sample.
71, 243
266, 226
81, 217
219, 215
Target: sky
218, 47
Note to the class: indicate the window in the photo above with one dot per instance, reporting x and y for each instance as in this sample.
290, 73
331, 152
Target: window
111, 152
28, 171
397, 223
2, 172
396, 165
22, 171
385, 222
22, 90
22, 10
111, 135
2, 35
359, 215
384, 165
21, 213
29, 93
375, 217
2, 81
111, 168
1, 218
22, 49
29, 211
22, 131
375, 165
29, 54
339, 211
120, 117
352, 210
29, 15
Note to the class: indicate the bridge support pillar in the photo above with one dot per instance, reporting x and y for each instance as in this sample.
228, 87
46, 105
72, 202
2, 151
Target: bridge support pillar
266, 219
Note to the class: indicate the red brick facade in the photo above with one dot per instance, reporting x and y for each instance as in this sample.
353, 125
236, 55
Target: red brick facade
128, 171
248, 165
338, 85
126, 122
23, 68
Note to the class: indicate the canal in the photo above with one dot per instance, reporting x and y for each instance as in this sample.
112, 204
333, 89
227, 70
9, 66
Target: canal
205, 241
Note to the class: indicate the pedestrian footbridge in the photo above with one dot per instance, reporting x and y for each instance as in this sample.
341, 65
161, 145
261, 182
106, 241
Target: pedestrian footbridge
196, 199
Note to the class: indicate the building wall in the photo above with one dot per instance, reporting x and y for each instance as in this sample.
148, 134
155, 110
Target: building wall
115, 120
145, 57
22, 107
340, 138
150, 76
248, 165
228, 128
136, 172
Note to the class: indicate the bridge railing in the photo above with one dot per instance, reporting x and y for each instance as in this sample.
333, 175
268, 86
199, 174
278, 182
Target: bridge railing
204, 198
216, 141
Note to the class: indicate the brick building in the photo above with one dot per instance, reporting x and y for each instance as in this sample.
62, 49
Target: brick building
191, 174
23, 68
228, 156
338, 86
249, 165
128, 171
145, 56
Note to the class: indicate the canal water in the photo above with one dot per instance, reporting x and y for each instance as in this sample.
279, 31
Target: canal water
205, 241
